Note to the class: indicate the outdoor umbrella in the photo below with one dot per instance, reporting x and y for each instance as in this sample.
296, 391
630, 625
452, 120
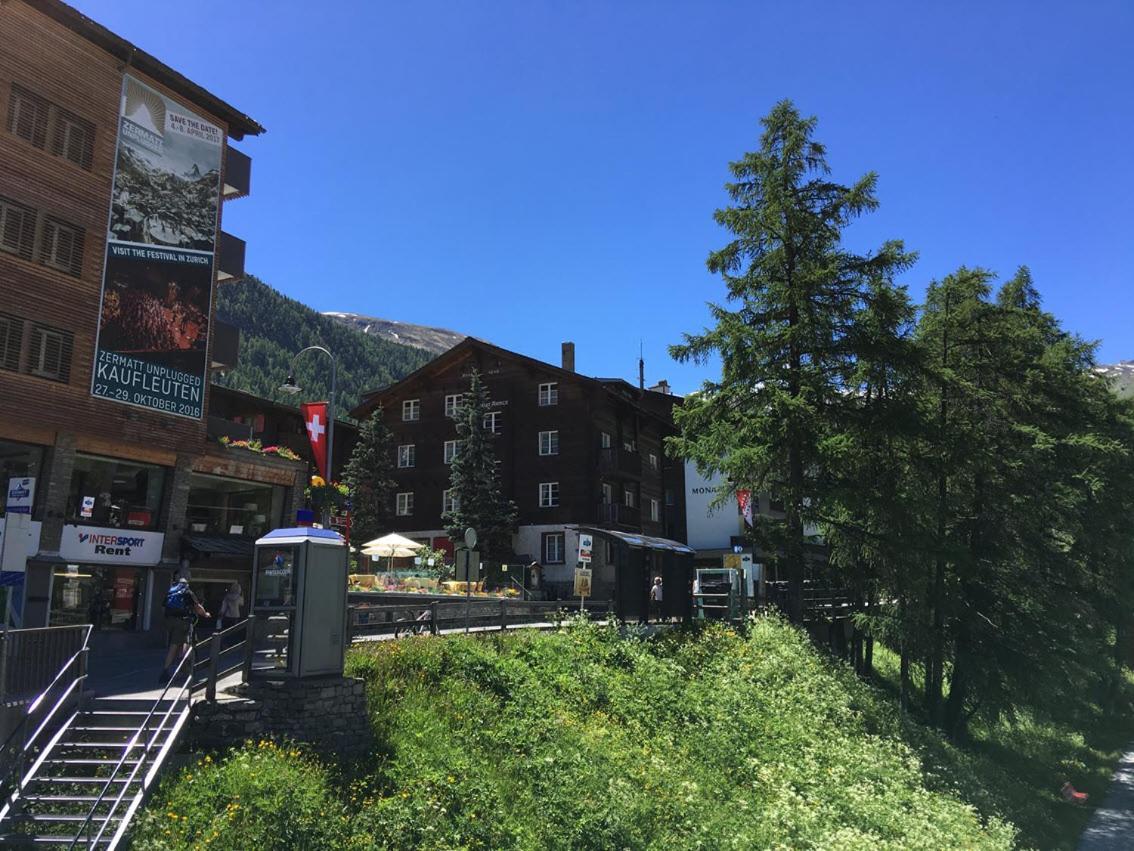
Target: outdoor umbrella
392, 546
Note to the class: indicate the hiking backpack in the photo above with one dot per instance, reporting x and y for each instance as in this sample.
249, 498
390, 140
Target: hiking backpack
177, 600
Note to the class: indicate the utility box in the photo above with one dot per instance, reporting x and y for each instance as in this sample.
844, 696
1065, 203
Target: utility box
299, 600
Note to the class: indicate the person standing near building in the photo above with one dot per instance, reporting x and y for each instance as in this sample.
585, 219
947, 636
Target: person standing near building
231, 605
656, 599
181, 612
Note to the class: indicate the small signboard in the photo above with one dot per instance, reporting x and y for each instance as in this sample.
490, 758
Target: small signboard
21, 493
582, 582
467, 565
586, 544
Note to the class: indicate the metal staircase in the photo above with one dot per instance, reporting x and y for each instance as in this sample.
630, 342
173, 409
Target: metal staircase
76, 773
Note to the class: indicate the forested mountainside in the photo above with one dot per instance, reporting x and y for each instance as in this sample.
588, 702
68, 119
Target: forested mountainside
436, 340
274, 327
1121, 375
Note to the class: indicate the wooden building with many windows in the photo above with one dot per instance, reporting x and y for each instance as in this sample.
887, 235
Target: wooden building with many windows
574, 452
114, 169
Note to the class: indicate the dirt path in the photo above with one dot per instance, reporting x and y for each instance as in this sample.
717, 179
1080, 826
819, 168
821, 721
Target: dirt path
1111, 828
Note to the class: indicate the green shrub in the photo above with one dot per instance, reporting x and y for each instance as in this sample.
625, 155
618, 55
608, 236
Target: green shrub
586, 738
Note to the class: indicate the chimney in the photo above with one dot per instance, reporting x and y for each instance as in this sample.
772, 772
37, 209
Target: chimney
662, 387
569, 357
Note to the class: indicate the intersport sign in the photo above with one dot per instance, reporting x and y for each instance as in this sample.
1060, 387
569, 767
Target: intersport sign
92, 544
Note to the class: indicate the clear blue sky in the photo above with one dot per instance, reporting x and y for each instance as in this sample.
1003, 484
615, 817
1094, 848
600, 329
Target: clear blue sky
530, 172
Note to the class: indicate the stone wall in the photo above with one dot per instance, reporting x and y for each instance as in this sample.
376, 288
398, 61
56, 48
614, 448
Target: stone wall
328, 712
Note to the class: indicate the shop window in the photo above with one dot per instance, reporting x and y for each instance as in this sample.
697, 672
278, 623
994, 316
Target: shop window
220, 506
119, 494
19, 460
105, 597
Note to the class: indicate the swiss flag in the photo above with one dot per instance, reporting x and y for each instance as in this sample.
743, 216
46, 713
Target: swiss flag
315, 416
744, 502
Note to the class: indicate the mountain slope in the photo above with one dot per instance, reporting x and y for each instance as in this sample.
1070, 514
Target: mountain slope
1121, 375
274, 327
436, 340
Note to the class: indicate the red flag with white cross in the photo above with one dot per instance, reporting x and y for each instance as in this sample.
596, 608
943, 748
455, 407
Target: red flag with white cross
315, 417
744, 502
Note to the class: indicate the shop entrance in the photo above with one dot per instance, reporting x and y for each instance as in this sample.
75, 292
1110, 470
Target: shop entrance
106, 597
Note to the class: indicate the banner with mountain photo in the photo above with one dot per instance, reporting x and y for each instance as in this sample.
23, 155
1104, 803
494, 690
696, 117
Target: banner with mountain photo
153, 331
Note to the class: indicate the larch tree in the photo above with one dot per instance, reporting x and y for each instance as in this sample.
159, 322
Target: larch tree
370, 476
784, 335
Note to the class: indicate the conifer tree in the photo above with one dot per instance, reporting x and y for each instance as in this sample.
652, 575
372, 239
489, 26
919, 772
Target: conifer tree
370, 476
474, 481
785, 337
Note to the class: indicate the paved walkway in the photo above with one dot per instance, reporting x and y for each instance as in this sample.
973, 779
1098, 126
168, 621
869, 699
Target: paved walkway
1111, 827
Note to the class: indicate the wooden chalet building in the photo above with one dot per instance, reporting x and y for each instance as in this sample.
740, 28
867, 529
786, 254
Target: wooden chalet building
114, 172
575, 453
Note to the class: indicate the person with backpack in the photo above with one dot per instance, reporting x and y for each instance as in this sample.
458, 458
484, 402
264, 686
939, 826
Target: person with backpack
181, 613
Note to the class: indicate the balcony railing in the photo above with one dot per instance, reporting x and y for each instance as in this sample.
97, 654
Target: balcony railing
621, 463
237, 174
230, 258
617, 514
226, 345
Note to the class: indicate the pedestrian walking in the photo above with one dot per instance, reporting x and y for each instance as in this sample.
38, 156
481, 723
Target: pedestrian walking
231, 605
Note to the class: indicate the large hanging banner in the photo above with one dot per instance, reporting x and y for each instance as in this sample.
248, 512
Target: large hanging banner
157, 284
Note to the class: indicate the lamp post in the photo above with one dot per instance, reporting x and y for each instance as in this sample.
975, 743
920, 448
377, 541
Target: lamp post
291, 387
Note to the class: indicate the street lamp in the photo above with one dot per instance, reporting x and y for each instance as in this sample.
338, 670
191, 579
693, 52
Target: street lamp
291, 388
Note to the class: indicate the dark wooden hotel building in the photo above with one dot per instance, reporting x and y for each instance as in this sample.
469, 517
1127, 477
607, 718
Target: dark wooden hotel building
575, 452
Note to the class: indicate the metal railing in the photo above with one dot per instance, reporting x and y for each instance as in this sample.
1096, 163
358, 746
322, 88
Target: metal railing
216, 647
43, 713
437, 616
30, 658
182, 696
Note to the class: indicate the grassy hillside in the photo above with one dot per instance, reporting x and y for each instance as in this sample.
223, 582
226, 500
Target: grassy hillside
586, 739
274, 327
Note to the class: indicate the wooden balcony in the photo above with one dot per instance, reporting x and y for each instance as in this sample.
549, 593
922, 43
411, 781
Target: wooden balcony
616, 463
617, 514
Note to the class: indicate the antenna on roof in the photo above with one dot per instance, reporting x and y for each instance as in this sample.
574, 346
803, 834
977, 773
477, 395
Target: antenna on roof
641, 367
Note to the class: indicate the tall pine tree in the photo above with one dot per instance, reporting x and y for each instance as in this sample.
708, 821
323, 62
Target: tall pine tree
370, 476
474, 481
786, 346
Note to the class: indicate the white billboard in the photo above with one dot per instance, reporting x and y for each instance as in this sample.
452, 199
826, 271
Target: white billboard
708, 528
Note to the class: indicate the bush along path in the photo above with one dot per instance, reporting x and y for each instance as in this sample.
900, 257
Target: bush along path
585, 738
1111, 827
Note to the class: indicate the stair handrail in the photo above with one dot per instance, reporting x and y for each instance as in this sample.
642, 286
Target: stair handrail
16, 767
209, 683
131, 745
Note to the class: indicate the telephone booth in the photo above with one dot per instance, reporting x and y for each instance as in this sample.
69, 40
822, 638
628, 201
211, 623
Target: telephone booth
719, 594
299, 589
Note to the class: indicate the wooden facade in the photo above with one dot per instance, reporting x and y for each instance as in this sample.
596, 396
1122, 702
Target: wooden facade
61, 83
609, 444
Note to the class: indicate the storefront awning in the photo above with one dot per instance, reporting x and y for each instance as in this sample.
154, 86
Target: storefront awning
219, 545
638, 541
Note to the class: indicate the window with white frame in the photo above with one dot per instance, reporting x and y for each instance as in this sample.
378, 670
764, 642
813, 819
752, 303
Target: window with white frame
604, 440
548, 494
655, 510
405, 504
451, 450
449, 501
653, 461
453, 404
628, 498
61, 247
548, 394
607, 493
407, 455
49, 354
411, 410
494, 422
549, 443
554, 548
